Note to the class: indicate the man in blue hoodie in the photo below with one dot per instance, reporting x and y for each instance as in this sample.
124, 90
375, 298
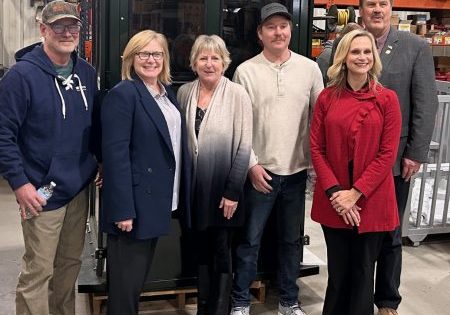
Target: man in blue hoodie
46, 107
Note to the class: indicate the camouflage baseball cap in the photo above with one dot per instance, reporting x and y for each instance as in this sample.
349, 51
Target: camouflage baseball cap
57, 10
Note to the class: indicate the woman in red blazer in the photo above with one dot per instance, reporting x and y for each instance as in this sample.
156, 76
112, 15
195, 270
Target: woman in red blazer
355, 133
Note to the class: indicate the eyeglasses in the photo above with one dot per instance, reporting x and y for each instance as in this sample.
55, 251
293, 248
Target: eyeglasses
61, 28
145, 55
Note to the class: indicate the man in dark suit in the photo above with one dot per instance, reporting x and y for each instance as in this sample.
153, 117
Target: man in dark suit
408, 69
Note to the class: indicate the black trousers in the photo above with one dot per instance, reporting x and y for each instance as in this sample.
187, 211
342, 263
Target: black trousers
128, 264
389, 265
351, 265
214, 248
214, 270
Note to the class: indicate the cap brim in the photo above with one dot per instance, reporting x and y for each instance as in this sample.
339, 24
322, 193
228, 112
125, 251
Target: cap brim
62, 16
284, 14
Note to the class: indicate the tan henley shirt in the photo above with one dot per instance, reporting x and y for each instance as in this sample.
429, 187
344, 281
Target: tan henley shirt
282, 98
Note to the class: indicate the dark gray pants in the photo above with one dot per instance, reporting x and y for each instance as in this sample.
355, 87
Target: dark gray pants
389, 264
351, 266
128, 264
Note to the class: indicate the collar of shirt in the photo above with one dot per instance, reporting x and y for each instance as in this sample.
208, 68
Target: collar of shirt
154, 93
274, 64
381, 41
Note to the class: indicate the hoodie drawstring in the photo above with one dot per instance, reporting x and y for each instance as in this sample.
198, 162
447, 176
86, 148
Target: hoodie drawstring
68, 85
63, 103
82, 92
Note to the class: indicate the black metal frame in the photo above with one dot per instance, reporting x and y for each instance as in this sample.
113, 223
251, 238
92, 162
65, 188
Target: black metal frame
112, 32
110, 35
86, 33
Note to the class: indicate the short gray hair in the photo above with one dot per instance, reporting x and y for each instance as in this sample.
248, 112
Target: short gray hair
210, 43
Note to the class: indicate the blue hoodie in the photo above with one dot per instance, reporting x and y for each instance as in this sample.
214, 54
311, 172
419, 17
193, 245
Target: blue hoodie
45, 125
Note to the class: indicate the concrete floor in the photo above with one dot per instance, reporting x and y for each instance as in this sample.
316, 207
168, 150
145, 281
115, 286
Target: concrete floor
425, 280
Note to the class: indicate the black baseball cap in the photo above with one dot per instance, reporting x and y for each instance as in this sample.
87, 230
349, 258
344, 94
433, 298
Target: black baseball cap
272, 9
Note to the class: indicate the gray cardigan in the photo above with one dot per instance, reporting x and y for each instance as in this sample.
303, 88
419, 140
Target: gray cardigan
221, 153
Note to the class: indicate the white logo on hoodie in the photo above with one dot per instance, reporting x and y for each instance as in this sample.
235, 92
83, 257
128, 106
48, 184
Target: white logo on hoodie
68, 84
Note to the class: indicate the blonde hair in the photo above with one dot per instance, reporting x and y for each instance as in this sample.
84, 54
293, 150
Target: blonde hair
210, 43
138, 42
338, 71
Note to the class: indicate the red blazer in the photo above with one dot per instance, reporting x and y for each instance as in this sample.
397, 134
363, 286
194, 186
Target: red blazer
363, 126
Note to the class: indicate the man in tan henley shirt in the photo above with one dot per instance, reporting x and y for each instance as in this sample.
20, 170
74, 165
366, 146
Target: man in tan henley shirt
283, 87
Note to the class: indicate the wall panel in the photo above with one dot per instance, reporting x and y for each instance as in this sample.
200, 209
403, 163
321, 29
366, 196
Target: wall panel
18, 28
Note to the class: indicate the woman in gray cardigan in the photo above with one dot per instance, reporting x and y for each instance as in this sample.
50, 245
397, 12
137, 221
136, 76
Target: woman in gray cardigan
219, 126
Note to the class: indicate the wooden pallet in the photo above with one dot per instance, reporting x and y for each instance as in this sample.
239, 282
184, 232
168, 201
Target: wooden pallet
180, 300
258, 291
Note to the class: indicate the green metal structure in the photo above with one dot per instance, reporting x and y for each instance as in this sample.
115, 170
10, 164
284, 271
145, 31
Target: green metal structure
115, 21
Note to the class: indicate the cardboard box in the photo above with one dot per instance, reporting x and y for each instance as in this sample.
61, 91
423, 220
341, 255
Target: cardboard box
417, 19
421, 29
395, 19
406, 26
442, 63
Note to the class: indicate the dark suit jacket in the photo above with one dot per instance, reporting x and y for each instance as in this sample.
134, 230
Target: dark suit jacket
139, 163
408, 69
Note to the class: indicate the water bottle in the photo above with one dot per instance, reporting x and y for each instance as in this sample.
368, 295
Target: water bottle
45, 192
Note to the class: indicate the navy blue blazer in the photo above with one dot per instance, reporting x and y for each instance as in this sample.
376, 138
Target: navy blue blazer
139, 163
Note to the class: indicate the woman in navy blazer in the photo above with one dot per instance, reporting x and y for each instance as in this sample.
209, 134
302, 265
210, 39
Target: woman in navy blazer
145, 167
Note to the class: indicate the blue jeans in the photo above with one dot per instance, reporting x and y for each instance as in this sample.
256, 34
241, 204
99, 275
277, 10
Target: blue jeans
289, 195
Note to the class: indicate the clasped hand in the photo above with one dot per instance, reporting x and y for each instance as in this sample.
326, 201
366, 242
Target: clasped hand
344, 202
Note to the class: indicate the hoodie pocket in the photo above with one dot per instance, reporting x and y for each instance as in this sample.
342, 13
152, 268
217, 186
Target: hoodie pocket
71, 173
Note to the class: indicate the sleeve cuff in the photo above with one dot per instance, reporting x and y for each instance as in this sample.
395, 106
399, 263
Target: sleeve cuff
253, 159
355, 188
17, 181
232, 194
332, 190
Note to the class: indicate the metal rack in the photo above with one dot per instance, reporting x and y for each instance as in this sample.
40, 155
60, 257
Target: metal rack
85, 47
428, 201
405, 4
